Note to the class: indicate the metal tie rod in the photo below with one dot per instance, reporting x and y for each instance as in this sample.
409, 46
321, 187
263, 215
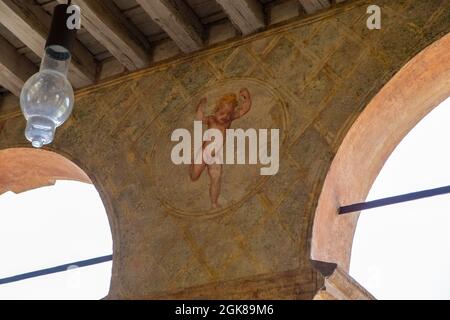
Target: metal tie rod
62, 268
394, 200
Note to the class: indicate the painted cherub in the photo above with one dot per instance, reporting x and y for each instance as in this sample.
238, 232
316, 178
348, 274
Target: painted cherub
228, 109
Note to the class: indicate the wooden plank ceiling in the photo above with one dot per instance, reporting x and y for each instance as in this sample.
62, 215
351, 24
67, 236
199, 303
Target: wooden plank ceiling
119, 36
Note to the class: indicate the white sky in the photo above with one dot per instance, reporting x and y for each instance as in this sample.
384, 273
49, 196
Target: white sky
53, 226
403, 251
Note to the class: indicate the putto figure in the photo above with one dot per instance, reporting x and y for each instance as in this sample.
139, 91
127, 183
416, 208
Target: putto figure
228, 109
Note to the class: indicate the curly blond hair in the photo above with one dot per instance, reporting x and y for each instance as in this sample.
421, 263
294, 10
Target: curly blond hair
227, 98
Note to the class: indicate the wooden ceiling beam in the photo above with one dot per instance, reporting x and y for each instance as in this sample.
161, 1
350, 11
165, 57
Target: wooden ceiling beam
106, 23
178, 20
30, 24
312, 6
15, 69
246, 15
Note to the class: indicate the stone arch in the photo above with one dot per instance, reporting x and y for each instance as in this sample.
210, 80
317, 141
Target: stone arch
420, 86
24, 169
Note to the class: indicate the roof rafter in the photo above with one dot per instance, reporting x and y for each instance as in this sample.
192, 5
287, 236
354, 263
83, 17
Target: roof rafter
246, 15
30, 24
104, 21
312, 6
15, 69
178, 20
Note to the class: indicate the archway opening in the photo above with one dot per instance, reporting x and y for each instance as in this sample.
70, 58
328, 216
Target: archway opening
402, 251
419, 87
55, 238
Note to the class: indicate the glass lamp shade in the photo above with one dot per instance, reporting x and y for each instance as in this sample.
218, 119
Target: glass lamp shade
47, 98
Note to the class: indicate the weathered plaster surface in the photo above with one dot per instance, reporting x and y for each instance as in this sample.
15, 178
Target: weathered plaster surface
322, 72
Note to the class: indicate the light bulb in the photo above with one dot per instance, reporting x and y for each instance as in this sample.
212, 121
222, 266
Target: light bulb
47, 98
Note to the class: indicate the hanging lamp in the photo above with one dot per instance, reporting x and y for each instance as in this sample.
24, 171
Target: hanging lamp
47, 98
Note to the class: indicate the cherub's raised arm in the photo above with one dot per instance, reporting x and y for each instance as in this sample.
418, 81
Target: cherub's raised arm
245, 105
200, 114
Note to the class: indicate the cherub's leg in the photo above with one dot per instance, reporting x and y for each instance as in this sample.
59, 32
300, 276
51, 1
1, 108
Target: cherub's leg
197, 169
215, 173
